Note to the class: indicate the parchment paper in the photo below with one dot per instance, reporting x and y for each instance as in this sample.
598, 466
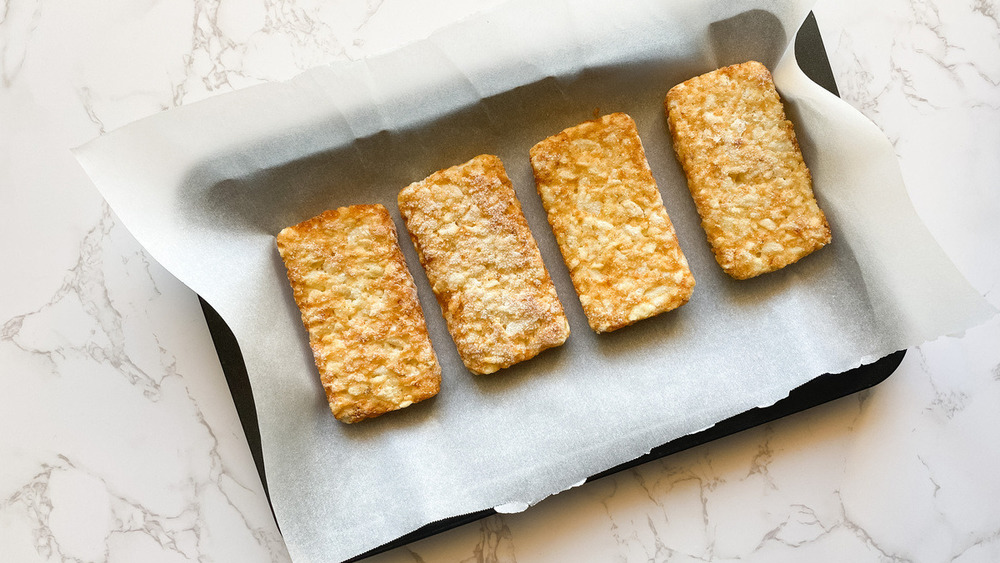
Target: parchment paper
206, 187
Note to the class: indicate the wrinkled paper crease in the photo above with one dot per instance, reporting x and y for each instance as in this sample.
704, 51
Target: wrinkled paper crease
206, 187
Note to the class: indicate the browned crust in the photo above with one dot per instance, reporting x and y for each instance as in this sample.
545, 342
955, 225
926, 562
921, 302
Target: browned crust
483, 264
745, 170
359, 305
608, 218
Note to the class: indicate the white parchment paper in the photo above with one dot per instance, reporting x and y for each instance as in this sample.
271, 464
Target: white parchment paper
206, 187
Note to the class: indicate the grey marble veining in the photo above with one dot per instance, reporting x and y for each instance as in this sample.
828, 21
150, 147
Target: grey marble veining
118, 438
106, 382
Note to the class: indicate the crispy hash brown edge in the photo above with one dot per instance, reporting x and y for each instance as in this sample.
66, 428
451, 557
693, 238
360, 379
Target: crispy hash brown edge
745, 170
359, 305
609, 220
483, 264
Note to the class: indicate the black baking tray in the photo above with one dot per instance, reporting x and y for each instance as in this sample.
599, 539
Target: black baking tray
812, 58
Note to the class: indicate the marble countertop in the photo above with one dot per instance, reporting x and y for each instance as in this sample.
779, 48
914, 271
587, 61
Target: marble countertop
119, 440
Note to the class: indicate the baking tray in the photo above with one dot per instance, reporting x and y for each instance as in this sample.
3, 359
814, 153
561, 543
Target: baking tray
813, 61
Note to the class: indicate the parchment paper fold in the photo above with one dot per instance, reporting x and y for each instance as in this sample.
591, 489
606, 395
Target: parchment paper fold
206, 187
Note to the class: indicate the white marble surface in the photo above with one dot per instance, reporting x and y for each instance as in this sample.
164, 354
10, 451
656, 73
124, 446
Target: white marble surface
118, 437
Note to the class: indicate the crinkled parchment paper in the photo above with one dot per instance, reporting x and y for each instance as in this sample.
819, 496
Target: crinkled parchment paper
206, 187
